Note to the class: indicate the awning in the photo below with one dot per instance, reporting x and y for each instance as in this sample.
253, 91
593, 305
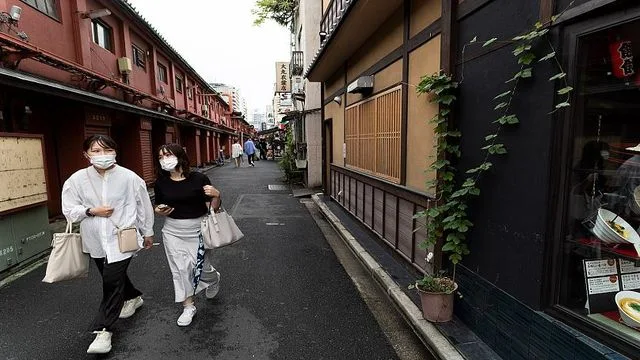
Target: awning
31, 82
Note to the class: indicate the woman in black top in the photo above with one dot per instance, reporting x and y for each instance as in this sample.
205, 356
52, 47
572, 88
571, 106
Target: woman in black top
183, 196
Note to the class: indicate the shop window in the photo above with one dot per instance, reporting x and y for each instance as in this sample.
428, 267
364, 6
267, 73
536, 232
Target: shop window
102, 34
179, 84
162, 73
139, 57
48, 7
372, 135
600, 261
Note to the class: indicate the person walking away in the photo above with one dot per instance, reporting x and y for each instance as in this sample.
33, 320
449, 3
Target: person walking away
250, 150
103, 198
183, 196
236, 152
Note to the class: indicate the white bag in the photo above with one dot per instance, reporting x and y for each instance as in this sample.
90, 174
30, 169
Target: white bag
67, 261
219, 229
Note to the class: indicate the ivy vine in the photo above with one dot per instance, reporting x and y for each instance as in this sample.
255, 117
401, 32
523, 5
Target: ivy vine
449, 219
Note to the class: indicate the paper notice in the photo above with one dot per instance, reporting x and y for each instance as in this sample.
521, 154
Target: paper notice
627, 266
630, 281
600, 267
601, 285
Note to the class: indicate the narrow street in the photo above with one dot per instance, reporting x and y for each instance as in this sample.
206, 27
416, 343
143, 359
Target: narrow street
284, 295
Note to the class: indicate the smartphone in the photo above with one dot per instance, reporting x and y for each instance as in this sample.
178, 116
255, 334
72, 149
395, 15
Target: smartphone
163, 206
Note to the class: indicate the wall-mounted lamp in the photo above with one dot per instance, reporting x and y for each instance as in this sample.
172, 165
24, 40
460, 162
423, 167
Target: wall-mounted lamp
15, 13
94, 14
337, 100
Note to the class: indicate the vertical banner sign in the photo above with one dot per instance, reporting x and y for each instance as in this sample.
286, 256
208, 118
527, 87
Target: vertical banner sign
621, 54
283, 80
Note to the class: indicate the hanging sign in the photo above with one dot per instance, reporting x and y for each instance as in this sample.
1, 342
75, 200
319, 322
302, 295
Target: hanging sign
622, 59
283, 80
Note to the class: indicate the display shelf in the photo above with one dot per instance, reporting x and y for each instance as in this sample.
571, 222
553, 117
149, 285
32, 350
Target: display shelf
626, 251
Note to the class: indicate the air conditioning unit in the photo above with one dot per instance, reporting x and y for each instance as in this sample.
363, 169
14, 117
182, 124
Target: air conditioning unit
297, 85
124, 65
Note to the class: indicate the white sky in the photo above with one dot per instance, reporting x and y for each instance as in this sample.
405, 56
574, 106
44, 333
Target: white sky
218, 39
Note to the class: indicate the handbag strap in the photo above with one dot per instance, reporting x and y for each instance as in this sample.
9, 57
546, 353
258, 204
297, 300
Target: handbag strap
69, 228
98, 196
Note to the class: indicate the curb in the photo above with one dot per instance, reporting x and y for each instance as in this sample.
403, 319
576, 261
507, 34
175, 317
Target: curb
428, 333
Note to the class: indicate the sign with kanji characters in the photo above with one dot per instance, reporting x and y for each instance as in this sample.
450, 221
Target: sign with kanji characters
622, 59
283, 79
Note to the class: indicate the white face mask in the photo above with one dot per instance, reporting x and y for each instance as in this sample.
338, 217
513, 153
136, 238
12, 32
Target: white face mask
604, 154
169, 163
103, 161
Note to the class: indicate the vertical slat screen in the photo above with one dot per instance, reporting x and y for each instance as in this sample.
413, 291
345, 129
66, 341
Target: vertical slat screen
372, 135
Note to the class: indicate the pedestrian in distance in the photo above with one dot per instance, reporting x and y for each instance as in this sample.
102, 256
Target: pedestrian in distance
105, 197
183, 197
250, 150
236, 152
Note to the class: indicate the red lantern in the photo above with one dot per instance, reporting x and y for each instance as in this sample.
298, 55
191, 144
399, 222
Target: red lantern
622, 59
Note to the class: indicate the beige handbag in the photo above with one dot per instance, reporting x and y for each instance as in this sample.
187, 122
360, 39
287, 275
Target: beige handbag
127, 237
219, 229
67, 261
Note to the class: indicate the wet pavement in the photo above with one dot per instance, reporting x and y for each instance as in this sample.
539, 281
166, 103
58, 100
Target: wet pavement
284, 295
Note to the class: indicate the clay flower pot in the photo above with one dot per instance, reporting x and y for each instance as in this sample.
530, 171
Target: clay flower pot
437, 307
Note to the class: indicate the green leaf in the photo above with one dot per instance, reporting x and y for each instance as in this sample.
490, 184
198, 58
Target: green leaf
448, 247
473, 171
475, 38
474, 191
520, 49
542, 32
562, 104
538, 25
557, 76
500, 106
507, 119
519, 37
489, 42
565, 90
526, 58
502, 95
469, 183
548, 56
553, 18
490, 137
526, 73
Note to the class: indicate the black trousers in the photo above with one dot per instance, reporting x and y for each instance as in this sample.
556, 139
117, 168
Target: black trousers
116, 289
250, 157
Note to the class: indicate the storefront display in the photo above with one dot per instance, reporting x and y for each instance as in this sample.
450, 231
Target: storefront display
601, 257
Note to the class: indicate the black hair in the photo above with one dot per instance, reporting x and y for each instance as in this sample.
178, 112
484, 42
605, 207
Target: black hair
183, 159
102, 140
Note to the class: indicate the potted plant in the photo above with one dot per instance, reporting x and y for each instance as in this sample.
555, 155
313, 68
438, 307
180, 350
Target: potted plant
436, 296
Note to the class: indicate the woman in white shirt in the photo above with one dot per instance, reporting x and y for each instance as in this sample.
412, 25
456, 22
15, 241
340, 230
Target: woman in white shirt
236, 152
103, 198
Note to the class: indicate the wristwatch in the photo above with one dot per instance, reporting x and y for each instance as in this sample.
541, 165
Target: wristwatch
88, 212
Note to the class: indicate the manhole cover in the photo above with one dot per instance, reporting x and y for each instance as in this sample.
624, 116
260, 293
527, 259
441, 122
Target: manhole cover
278, 187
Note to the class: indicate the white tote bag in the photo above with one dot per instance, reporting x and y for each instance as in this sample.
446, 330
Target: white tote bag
219, 229
67, 261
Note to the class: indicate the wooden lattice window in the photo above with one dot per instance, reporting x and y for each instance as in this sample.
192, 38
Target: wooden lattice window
372, 134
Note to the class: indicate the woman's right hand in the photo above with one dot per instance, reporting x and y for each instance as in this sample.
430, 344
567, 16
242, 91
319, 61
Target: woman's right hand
164, 211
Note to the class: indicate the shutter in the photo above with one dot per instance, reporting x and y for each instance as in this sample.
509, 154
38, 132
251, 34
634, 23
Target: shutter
147, 156
90, 130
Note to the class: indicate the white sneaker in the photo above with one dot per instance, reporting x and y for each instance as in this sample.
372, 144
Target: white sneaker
101, 344
212, 290
187, 315
130, 306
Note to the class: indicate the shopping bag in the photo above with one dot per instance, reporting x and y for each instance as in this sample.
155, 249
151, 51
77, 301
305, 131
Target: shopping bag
67, 261
219, 229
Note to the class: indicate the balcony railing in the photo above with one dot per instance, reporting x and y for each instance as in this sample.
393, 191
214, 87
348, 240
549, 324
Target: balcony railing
332, 17
296, 66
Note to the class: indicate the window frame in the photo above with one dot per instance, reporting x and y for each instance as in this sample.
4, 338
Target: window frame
559, 202
163, 74
108, 31
55, 7
179, 81
137, 51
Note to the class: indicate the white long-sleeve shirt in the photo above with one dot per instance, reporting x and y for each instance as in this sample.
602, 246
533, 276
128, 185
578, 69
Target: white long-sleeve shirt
236, 150
124, 191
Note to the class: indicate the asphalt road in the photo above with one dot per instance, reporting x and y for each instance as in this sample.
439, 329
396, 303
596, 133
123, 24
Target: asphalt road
284, 295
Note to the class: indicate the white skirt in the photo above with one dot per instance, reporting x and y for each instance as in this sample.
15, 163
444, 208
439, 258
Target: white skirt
181, 238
